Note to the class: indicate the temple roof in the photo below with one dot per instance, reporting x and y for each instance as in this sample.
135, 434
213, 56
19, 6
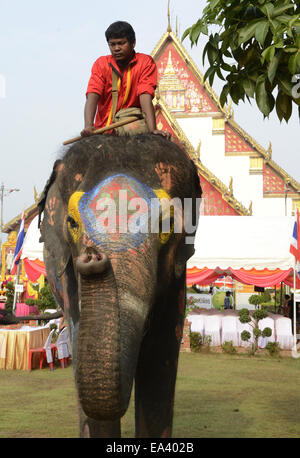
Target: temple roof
204, 173
199, 99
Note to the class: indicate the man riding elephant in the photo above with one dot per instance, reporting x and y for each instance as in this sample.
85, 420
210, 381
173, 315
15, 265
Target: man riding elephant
121, 84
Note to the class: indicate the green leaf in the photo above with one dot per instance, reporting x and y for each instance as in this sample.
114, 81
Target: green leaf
248, 31
224, 94
265, 100
195, 33
283, 106
268, 54
210, 73
290, 50
213, 4
249, 87
292, 65
237, 92
186, 33
273, 66
281, 9
212, 54
285, 84
262, 30
268, 9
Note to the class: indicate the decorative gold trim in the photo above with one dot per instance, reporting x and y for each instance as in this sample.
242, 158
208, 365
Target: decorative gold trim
218, 126
295, 205
156, 53
169, 18
278, 195
240, 153
207, 114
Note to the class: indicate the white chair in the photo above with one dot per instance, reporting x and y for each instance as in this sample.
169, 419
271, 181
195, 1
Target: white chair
63, 347
212, 328
55, 320
229, 329
197, 323
284, 335
266, 323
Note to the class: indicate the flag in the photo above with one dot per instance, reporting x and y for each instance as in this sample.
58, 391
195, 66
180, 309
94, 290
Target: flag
19, 246
295, 243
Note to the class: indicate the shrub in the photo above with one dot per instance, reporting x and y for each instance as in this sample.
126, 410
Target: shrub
255, 299
273, 348
207, 342
30, 301
10, 291
228, 347
195, 341
46, 300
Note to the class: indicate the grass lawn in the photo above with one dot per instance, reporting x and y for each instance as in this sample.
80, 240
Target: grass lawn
217, 395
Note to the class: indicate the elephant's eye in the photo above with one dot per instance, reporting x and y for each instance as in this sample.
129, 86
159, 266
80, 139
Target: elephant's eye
72, 222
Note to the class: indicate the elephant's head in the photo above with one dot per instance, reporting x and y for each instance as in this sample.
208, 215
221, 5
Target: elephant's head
108, 233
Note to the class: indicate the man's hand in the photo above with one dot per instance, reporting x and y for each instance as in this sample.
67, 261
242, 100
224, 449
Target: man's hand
87, 131
163, 133
89, 114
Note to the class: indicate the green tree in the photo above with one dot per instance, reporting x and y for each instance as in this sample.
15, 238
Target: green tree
45, 299
10, 291
254, 47
255, 299
244, 317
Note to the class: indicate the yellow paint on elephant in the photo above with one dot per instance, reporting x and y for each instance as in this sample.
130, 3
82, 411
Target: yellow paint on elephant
73, 211
167, 213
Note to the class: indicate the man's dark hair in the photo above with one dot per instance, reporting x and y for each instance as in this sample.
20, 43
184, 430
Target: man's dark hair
120, 29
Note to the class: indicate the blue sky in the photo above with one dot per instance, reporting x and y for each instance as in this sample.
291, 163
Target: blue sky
46, 53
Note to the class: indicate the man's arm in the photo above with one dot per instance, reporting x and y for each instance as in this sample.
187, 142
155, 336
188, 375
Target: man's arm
148, 109
89, 113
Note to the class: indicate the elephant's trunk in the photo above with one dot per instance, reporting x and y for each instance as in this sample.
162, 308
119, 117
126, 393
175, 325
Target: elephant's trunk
92, 262
98, 366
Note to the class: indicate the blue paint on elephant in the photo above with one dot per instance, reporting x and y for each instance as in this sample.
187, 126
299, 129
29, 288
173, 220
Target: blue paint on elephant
116, 213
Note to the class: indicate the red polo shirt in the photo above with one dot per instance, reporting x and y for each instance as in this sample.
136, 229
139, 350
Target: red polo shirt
139, 77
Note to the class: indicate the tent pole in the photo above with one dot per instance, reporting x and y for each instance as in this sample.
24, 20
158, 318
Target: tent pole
294, 310
16, 283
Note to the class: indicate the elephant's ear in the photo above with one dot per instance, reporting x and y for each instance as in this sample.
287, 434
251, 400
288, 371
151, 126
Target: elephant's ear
185, 248
56, 247
183, 253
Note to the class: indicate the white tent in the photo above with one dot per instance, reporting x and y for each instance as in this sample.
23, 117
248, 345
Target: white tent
32, 248
252, 250
243, 242
32, 252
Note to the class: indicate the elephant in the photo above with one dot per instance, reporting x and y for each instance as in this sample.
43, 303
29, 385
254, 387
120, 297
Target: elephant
122, 288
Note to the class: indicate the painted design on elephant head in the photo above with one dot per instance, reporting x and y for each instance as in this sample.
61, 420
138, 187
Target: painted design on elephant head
167, 213
164, 173
51, 209
118, 210
74, 220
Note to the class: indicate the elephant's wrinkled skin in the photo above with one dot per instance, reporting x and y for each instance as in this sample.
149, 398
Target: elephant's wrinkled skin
124, 292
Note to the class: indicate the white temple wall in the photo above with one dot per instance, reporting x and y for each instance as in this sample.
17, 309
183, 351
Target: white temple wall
246, 187
197, 129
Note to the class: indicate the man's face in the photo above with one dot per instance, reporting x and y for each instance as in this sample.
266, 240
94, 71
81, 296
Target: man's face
121, 49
